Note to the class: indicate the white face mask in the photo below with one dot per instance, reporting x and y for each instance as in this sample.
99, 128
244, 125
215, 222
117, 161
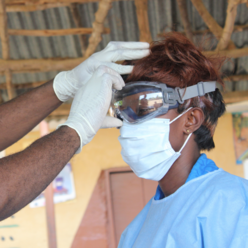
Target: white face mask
146, 147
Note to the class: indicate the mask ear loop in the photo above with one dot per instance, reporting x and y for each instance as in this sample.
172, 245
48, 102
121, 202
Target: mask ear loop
189, 134
180, 115
185, 142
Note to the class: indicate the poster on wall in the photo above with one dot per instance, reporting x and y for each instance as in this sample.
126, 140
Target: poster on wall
63, 188
240, 135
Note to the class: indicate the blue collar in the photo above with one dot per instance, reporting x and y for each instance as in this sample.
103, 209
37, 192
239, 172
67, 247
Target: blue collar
202, 166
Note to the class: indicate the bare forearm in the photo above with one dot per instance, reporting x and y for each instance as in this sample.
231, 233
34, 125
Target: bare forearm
23, 176
22, 114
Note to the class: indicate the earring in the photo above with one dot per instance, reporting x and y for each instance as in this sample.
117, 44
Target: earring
187, 130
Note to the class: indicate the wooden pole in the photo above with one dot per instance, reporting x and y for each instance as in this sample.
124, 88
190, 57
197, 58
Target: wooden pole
185, 19
23, 85
235, 96
210, 21
237, 28
96, 36
5, 46
33, 7
234, 53
229, 25
8, 79
51, 227
236, 77
30, 5
143, 22
78, 23
58, 64
50, 214
39, 65
29, 85
4, 31
41, 2
54, 32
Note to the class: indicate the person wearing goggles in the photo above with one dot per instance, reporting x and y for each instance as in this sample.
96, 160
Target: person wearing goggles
141, 101
169, 109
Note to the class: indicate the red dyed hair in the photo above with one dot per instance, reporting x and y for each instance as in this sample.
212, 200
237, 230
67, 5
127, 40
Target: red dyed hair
176, 62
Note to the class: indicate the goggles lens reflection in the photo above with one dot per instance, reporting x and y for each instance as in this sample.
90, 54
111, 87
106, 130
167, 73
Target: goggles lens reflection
137, 103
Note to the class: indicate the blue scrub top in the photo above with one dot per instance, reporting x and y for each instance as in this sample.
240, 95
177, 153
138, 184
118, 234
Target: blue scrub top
209, 210
200, 168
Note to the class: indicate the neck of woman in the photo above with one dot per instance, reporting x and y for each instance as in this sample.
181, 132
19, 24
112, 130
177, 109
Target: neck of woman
180, 170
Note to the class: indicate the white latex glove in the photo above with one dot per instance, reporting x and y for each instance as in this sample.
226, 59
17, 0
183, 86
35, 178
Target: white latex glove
91, 103
67, 83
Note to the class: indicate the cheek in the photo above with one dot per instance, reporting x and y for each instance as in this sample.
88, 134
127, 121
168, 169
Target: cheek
176, 136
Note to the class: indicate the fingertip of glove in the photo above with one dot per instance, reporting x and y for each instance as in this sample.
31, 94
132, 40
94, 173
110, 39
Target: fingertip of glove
110, 122
145, 44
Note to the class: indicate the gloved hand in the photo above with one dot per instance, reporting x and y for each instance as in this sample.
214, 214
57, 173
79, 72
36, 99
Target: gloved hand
91, 103
67, 83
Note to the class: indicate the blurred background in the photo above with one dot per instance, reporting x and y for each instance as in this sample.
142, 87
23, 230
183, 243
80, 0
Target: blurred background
96, 195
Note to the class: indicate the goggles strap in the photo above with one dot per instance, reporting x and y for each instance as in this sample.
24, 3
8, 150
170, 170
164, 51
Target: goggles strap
200, 89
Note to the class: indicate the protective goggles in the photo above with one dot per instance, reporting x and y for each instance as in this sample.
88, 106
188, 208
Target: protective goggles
141, 101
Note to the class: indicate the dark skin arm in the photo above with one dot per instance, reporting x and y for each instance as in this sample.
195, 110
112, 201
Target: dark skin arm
24, 175
22, 114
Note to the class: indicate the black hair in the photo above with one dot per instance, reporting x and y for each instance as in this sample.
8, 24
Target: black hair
204, 134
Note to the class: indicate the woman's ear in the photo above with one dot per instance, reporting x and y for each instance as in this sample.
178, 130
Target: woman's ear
195, 118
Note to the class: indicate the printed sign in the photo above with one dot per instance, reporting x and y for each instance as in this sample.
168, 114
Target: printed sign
63, 188
240, 130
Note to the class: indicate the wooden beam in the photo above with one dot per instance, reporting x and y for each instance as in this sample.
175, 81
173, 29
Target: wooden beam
29, 5
233, 53
236, 78
49, 203
9, 86
143, 22
50, 217
77, 20
185, 19
3, 86
1, 99
39, 65
237, 28
4, 31
29, 85
235, 96
96, 36
44, 65
54, 32
42, 2
242, 1
210, 21
215, 28
229, 25
33, 7
5, 47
